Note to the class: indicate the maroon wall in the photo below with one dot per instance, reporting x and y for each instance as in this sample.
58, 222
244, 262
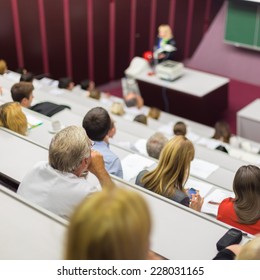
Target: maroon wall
95, 38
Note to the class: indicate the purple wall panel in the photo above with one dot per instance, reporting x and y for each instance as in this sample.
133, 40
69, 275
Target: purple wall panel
101, 40
180, 25
30, 34
122, 40
55, 38
197, 24
143, 9
79, 40
7, 37
162, 13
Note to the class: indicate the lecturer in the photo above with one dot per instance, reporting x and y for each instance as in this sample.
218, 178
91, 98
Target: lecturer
164, 44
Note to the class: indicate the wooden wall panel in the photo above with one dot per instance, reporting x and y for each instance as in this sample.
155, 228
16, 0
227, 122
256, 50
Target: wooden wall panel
55, 38
7, 37
198, 23
101, 40
122, 38
143, 9
30, 34
79, 40
180, 25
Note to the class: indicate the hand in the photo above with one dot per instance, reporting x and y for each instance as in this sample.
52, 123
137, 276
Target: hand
196, 201
161, 56
153, 256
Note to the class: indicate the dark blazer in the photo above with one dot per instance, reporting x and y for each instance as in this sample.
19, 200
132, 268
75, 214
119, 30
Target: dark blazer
168, 55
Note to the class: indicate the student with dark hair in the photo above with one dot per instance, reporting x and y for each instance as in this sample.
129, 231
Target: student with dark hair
23, 93
180, 128
222, 132
243, 211
87, 85
98, 124
27, 77
66, 83
141, 119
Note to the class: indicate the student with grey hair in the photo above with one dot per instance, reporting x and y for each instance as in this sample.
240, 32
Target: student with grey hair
61, 184
155, 144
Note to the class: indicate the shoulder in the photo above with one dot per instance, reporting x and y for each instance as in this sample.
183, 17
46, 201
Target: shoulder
181, 197
139, 177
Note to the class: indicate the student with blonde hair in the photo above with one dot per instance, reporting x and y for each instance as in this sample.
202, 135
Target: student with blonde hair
13, 118
154, 113
170, 175
110, 225
3, 67
243, 211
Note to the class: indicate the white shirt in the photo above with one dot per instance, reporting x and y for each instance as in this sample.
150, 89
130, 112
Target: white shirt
56, 191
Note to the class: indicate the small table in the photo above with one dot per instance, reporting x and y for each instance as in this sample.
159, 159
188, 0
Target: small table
248, 121
196, 95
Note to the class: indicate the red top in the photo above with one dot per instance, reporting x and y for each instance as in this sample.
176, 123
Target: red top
227, 214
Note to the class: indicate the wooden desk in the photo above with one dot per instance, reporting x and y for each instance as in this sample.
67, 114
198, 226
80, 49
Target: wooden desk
195, 95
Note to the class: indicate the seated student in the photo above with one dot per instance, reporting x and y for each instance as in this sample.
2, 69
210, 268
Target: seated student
61, 184
87, 85
117, 108
3, 67
66, 83
13, 118
27, 77
131, 93
95, 94
22, 92
222, 132
155, 144
97, 124
243, 211
170, 175
141, 119
180, 128
119, 229
248, 251
154, 113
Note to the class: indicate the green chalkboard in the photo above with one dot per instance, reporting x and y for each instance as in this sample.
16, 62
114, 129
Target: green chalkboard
242, 24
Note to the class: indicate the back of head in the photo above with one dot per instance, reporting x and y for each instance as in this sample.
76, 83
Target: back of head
180, 128
141, 119
154, 113
85, 84
21, 90
27, 77
13, 118
130, 100
117, 108
173, 168
251, 250
3, 66
68, 148
64, 82
95, 93
119, 230
155, 144
246, 186
222, 131
97, 123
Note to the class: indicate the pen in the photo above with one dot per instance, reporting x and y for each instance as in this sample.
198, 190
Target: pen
33, 126
213, 202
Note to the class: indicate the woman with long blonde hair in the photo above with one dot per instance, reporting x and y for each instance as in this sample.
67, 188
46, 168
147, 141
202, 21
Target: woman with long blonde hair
170, 175
13, 118
110, 225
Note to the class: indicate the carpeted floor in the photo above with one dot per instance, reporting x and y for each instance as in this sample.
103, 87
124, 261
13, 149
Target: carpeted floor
240, 95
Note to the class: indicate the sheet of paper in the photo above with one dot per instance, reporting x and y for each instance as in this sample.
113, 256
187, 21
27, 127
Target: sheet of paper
202, 169
209, 143
166, 129
140, 146
193, 137
133, 164
32, 121
202, 187
212, 201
